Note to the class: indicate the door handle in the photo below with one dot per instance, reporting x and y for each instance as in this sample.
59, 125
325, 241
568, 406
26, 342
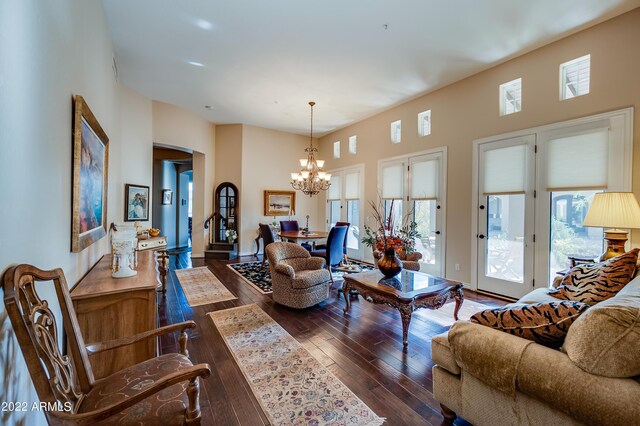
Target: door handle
481, 236
437, 232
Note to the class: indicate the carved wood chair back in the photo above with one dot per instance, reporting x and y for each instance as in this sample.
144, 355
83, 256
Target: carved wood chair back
57, 378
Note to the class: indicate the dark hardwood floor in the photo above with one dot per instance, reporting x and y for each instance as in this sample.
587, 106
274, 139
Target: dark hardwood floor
363, 349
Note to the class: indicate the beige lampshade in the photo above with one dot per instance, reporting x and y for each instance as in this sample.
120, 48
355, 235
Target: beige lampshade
613, 210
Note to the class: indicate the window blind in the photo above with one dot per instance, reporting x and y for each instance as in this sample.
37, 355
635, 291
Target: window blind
392, 181
335, 191
425, 179
578, 161
505, 170
352, 186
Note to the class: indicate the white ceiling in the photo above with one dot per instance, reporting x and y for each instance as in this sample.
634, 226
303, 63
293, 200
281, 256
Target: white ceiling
260, 62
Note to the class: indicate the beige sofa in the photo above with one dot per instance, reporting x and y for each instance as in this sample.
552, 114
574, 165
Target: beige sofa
489, 377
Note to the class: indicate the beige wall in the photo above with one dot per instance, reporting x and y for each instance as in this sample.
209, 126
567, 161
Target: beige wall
229, 154
468, 110
49, 52
268, 158
178, 128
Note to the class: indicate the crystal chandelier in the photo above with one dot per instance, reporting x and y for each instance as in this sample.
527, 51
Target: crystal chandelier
311, 179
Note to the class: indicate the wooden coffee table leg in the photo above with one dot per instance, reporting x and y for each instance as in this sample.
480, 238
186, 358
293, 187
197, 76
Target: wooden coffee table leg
405, 314
459, 299
345, 292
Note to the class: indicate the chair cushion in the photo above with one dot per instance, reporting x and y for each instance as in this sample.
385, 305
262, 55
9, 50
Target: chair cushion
310, 278
594, 282
544, 323
606, 339
166, 407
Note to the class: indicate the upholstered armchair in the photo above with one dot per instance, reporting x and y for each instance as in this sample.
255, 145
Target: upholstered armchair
298, 280
161, 390
410, 261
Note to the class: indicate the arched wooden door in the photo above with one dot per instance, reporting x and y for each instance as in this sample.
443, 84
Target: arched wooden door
226, 199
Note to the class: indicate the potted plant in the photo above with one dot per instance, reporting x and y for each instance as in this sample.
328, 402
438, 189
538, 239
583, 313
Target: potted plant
390, 238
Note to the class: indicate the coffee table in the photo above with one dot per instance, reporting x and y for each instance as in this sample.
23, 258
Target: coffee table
406, 292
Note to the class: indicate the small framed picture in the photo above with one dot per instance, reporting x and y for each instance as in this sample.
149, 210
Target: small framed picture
167, 196
136, 203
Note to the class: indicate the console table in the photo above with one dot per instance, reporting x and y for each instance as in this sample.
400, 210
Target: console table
111, 308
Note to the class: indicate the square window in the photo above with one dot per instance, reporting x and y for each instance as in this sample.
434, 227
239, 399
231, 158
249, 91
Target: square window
336, 149
574, 77
511, 97
396, 131
424, 123
353, 144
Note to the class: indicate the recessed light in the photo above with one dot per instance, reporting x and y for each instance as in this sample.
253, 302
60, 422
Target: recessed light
203, 23
195, 64
208, 107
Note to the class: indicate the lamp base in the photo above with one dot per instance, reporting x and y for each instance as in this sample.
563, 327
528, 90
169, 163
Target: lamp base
616, 240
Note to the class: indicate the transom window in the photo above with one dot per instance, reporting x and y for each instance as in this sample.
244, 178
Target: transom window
336, 149
353, 144
511, 97
424, 123
396, 131
574, 77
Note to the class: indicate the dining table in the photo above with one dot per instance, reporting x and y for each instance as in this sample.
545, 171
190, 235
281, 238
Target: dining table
302, 236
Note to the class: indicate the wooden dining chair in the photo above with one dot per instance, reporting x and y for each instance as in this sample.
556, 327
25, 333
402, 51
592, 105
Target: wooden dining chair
293, 225
161, 390
267, 238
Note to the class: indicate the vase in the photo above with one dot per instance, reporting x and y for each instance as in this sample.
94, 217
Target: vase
389, 264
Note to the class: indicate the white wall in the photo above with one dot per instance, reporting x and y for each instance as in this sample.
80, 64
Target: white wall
50, 51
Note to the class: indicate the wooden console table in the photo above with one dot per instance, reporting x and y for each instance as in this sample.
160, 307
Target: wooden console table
111, 308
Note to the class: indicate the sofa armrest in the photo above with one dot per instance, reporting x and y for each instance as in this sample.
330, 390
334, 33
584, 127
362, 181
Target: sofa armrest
492, 356
550, 376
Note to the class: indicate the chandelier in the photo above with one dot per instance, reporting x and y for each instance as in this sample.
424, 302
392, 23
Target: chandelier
311, 179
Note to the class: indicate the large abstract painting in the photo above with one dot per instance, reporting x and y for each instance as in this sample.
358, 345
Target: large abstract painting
90, 172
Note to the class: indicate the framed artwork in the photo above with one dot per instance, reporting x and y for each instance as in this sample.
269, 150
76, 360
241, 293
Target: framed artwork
136, 202
90, 174
279, 203
167, 196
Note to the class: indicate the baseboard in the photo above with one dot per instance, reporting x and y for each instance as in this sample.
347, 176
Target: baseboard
497, 296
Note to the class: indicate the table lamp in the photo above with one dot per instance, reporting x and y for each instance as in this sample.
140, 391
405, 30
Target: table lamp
614, 210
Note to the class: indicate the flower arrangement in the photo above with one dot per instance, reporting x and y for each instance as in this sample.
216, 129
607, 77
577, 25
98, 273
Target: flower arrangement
388, 234
231, 234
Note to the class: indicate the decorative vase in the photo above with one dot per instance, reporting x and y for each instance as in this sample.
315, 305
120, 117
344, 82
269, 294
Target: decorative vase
389, 264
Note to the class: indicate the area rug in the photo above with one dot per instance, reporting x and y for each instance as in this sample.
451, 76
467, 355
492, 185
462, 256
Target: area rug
201, 287
444, 315
260, 278
254, 274
292, 387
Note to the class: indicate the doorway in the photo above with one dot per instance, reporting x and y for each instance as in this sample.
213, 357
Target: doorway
172, 196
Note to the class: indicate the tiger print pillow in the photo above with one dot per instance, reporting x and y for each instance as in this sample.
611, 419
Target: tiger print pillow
544, 323
591, 283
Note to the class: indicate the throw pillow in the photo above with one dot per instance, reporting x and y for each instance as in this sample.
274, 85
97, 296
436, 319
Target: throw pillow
544, 323
591, 283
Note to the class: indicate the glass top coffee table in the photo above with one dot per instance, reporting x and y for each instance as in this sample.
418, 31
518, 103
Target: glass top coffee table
406, 292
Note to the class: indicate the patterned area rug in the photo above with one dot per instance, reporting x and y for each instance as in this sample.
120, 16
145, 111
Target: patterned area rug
444, 315
201, 287
253, 273
291, 386
260, 278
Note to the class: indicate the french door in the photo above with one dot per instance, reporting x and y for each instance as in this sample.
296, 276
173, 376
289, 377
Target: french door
344, 204
417, 187
505, 216
532, 190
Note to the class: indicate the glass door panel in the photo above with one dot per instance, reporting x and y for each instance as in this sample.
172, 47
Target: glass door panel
567, 235
424, 214
505, 237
